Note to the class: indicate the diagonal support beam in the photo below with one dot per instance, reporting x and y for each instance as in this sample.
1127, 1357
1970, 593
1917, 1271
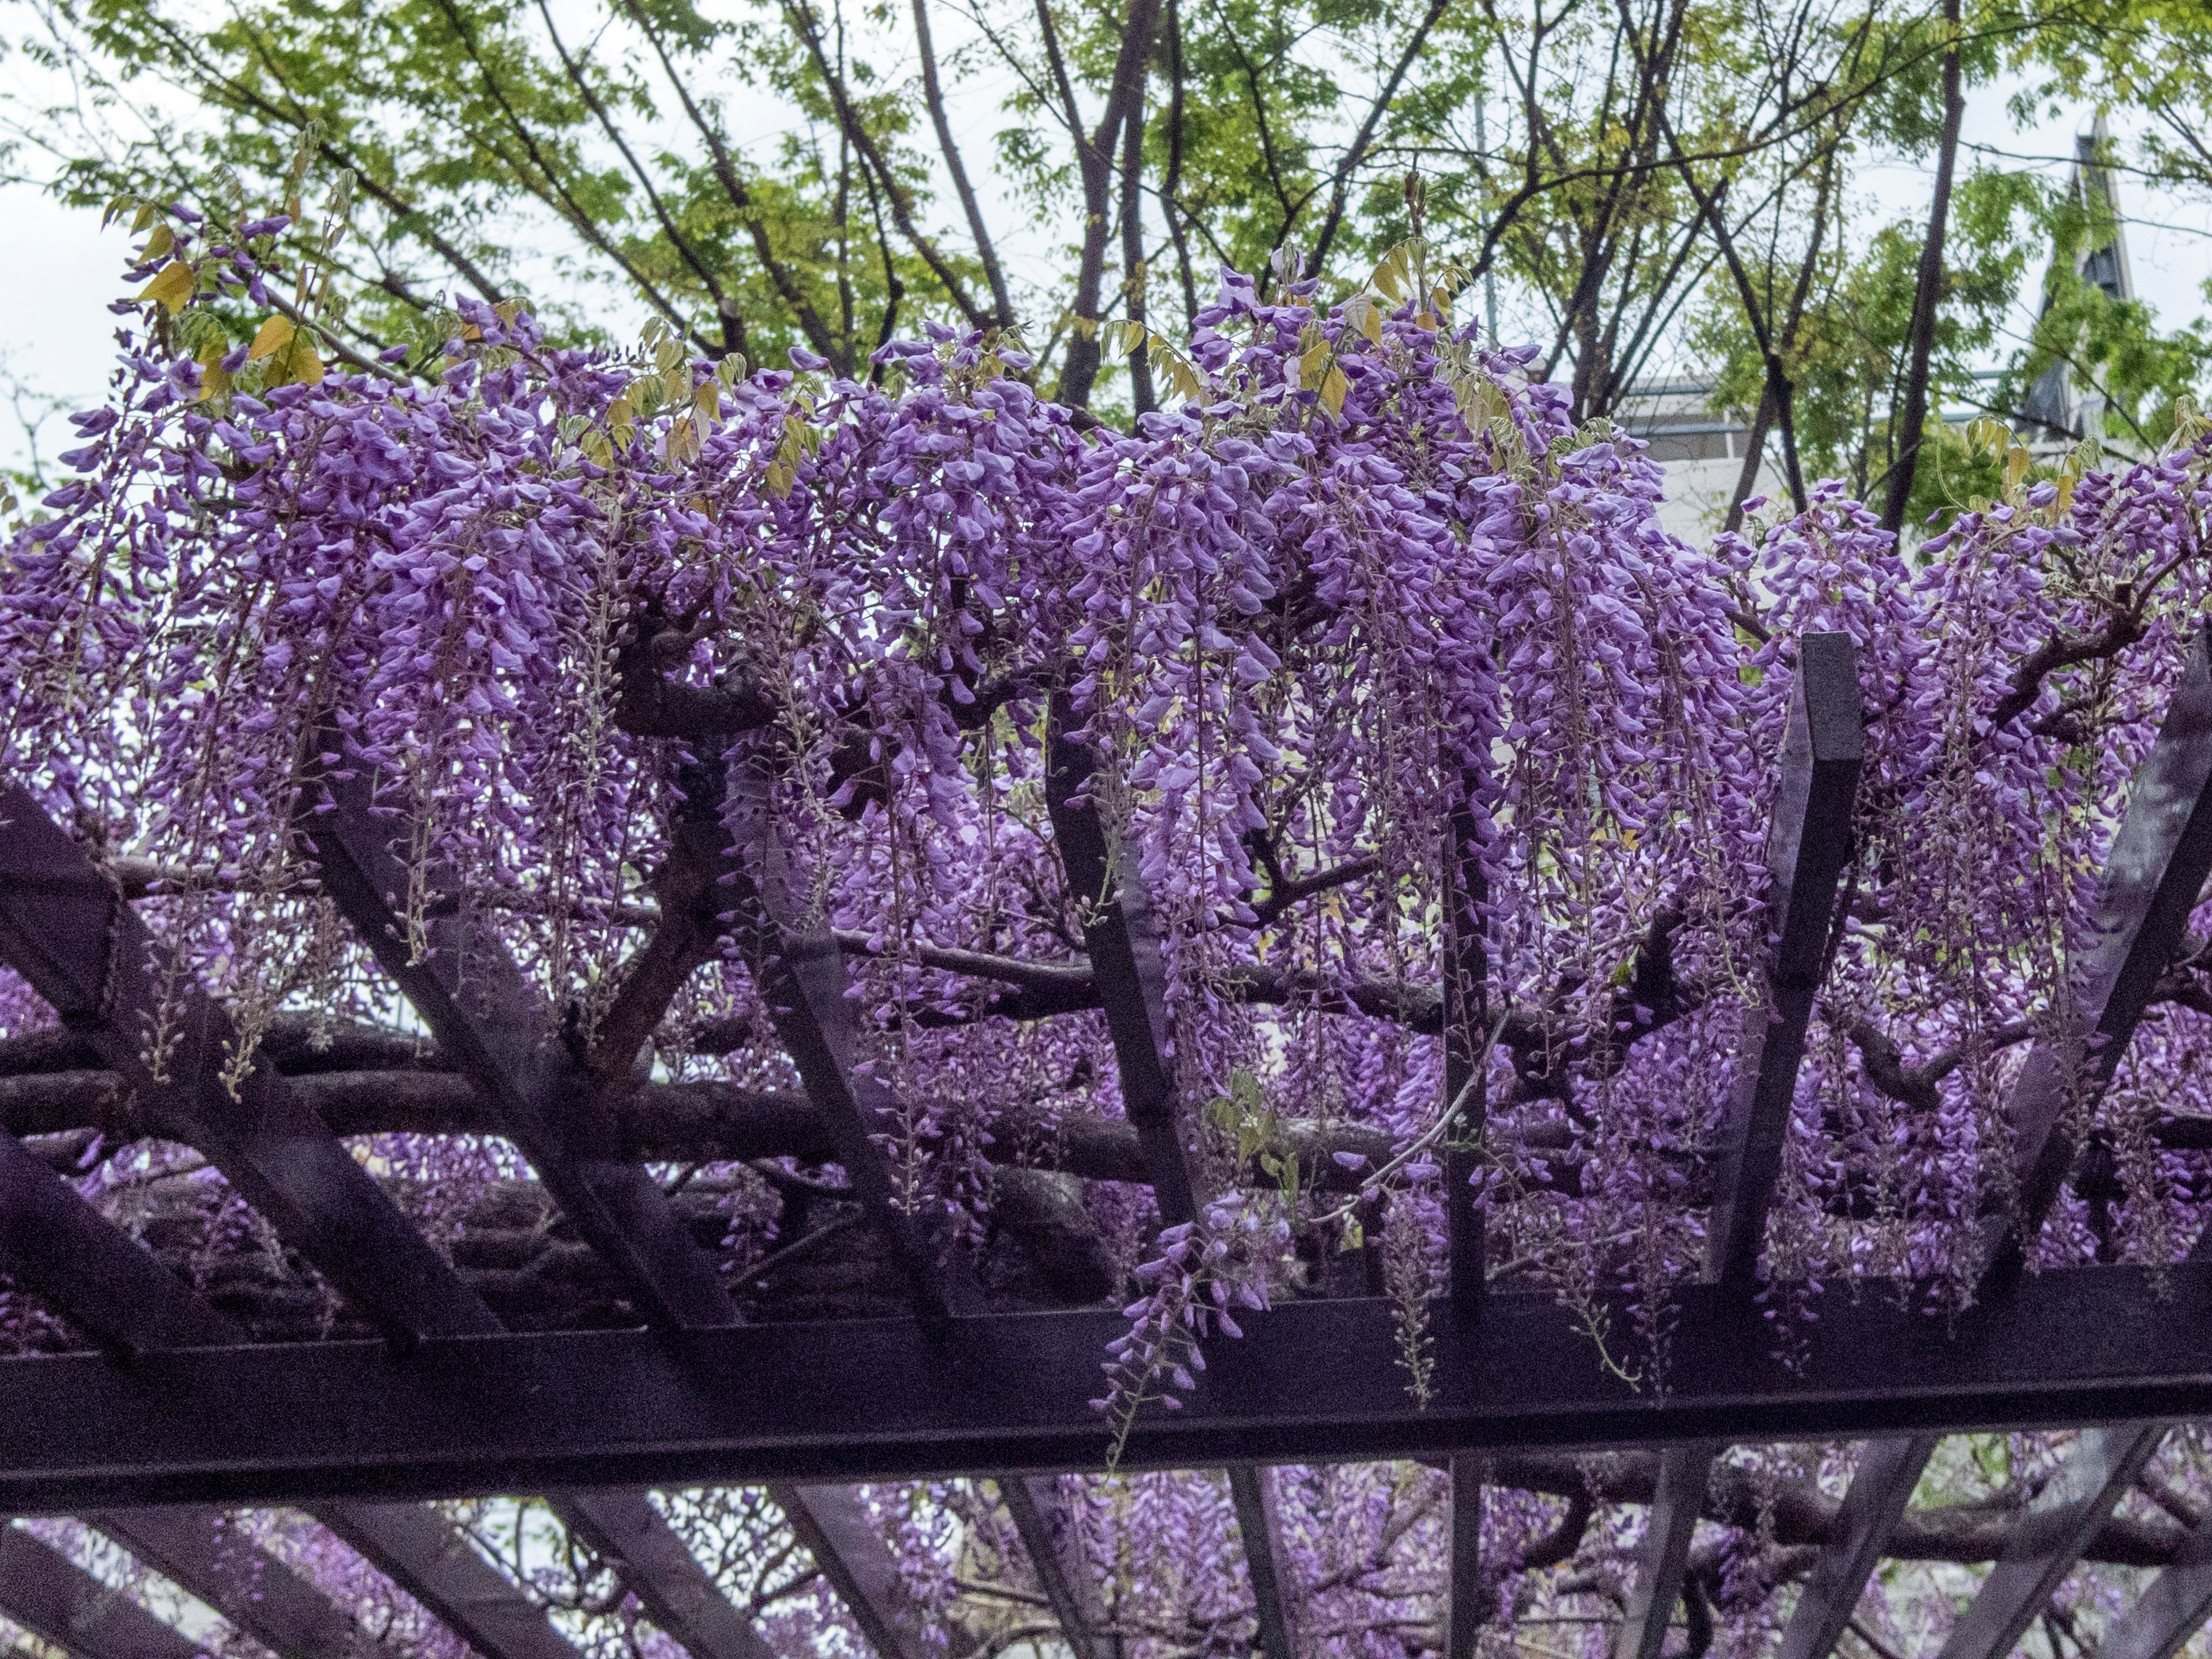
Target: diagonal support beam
1123, 939
2158, 865
797, 962
658, 1566
2171, 1610
1054, 1540
53, 1598
2100, 1467
65, 1250
2156, 869
419, 1551
1880, 1487
251, 1587
833, 1525
497, 1028
1808, 844
498, 1031
66, 928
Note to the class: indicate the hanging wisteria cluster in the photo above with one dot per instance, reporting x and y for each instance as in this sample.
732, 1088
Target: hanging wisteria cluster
1371, 656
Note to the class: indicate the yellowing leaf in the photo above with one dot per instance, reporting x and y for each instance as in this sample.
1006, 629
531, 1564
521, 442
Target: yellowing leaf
158, 244
271, 338
2017, 461
171, 286
296, 363
1332, 392
144, 217
506, 311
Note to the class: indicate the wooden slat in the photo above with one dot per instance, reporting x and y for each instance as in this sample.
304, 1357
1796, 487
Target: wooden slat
2152, 876
2171, 1608
1665, 1551
66, 928
50, 1596
57, 1246
2157, 866
833, 1525
497, 1031
1122, 938
1880, 1487
67, 1252
1463, 1590
256, 1592
677, 1593
800, 968
422, 1553
1274, 1606
1807, 842
2098, 1469
1054, 1545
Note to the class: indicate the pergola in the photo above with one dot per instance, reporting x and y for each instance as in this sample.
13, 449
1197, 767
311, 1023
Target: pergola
176, 1415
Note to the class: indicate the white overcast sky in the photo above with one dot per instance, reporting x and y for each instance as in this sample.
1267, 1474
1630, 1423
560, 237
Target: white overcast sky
57, 269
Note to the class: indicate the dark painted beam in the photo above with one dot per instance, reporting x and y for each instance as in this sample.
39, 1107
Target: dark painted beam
1880, 1488
65, 927
1664, 1553
1122, 938
1274, 1600
1809, 840
867, 1400
424, 1555
52, 1597
676, 1592
499, 1032
2156, 869
800, 968
2172, 1610
2100, 1468
833, 1525
1054, 1540
64, 1249
1463, 1597
193, 1548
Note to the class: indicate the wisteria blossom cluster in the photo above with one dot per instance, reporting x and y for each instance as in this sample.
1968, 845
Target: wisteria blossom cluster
1416, 727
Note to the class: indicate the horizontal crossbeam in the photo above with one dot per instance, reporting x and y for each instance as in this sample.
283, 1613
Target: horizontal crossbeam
889, 1398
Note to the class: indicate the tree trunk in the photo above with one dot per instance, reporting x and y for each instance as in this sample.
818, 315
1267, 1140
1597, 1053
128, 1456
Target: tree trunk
1928, 293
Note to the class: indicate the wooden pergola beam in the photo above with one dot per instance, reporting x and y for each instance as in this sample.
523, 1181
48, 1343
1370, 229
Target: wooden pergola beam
1808, 841
2153, 874
2173, 1608
497, 1028
796, 960
833, 1525
68, 932
329, 1207
56, 1600
57, 1244
193, 1548
1121, 939
1463, 1598
886, 1399
2098, 1469
1054, 1541
426, 1556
